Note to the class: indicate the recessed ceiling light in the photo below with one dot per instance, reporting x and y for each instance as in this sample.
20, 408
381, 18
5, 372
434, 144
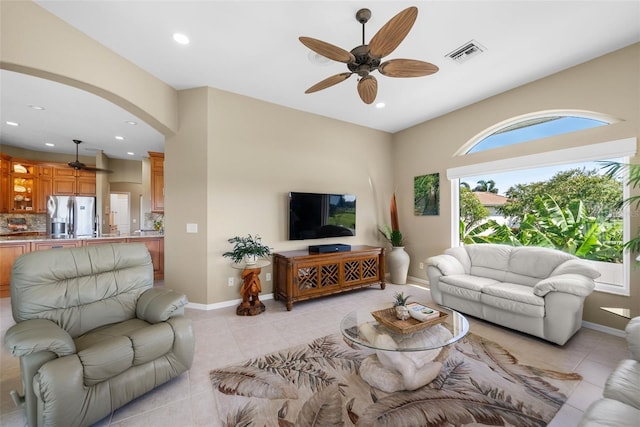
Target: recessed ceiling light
36, 107
119, 138
12, 123
131, 153
130, 122
48, 144
380, 105
180, 38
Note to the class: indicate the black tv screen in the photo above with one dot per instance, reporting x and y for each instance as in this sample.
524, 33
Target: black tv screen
316, 216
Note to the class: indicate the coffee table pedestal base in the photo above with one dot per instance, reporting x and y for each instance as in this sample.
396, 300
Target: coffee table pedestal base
404, 374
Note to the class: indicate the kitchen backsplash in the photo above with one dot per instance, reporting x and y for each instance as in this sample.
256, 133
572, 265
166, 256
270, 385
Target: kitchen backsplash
35, 222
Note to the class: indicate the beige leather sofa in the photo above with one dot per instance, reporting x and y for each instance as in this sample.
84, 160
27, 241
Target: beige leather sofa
620, 405
535, 290
92, 333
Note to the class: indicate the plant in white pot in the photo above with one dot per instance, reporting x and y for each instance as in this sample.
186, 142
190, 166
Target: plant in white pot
400, 304
247, 249
398, 260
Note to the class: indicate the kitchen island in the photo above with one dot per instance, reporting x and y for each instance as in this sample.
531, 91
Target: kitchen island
12, 246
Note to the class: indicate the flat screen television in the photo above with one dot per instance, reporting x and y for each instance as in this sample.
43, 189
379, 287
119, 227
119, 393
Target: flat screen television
316, 215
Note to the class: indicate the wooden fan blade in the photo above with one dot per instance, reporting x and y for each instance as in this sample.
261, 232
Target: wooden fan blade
328, 82
328, 50
392, 33
368, 89
407, 68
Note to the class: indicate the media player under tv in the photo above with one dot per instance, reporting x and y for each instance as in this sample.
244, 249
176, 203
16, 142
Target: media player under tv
333, 247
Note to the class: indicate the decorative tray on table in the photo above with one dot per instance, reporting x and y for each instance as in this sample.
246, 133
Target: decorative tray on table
388, 318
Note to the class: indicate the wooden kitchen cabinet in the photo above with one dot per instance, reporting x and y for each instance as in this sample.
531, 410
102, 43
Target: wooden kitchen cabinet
155, 245
157, 181
9, 252
22, 187
5, 183
300, 275
44, 187
55, 244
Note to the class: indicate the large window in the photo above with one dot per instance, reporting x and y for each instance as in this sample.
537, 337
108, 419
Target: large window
565, 202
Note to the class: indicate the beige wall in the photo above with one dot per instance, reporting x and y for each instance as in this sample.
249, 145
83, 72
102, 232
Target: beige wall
608, 85
232, 160
230, 168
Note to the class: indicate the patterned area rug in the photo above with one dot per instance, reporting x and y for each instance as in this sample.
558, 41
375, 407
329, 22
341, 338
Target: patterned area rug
318, 385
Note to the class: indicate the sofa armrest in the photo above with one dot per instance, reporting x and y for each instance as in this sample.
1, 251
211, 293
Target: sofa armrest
575, 284
447, 264
157, 305
633, 337
576, 266
35, 335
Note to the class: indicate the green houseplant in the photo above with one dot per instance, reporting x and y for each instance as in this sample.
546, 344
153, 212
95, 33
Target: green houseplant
247, 249
400, 305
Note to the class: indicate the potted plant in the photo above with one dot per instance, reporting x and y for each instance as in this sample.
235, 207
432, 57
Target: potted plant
400, 304
398, 259
247, 249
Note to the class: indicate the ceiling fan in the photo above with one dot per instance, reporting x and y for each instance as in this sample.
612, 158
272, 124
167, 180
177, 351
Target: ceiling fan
364, 59
78, 165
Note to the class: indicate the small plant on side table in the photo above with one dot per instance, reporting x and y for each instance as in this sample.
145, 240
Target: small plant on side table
400, 305
247, 249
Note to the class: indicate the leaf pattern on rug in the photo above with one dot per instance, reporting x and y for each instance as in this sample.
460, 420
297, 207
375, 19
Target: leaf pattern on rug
506, 364
250, 381
429, 407
306, 366
480, 383
323, 409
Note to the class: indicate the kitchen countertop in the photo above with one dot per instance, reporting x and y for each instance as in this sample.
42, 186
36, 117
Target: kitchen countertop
20, 237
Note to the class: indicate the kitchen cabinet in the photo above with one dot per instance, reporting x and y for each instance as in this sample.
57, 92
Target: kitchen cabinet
9, 252
300, 275
55, 244
86, 183
5, 183
155, 245
157, 181
44, 188
22, 186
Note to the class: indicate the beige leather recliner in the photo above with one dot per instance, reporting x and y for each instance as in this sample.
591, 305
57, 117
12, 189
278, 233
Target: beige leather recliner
92, 332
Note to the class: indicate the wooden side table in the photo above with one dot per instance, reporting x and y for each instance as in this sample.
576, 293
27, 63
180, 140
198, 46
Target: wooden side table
251, 288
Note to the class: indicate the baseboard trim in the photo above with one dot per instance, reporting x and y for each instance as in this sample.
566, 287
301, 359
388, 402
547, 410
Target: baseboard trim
605, 329
223, 304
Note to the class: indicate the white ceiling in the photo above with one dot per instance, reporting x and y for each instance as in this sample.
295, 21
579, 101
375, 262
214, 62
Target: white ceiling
252, 48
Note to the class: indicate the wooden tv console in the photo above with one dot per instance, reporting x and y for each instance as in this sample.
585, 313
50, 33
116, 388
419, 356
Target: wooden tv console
300, 275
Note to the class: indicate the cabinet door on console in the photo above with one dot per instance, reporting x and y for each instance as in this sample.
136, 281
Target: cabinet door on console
361, 270
315, 277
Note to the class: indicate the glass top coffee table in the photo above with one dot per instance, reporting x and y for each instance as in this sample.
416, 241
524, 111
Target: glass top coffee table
402, 361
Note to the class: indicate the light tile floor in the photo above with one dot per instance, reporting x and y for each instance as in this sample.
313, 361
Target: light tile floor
222, 338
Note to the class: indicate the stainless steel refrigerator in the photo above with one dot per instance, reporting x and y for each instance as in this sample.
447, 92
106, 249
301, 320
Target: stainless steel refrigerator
71, 216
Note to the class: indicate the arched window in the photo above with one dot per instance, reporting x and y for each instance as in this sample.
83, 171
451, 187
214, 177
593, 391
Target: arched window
534, 126
509, 176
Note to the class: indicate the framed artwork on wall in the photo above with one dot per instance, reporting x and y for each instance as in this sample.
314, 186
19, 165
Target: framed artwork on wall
426, 190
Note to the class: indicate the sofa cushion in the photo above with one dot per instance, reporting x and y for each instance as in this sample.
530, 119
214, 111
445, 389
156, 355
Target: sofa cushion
512, 291
490, 261
536, 262
513, 306
106, 359
610, 413
624, 383
467, 281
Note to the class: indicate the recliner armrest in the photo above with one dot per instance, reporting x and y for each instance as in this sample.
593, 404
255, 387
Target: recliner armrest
35, 335
447, 264
575, 284
157, 305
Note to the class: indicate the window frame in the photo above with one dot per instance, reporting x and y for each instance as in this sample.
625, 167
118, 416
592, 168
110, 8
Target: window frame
620, 148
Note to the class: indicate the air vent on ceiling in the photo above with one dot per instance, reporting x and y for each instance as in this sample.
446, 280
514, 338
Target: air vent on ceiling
466, 51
